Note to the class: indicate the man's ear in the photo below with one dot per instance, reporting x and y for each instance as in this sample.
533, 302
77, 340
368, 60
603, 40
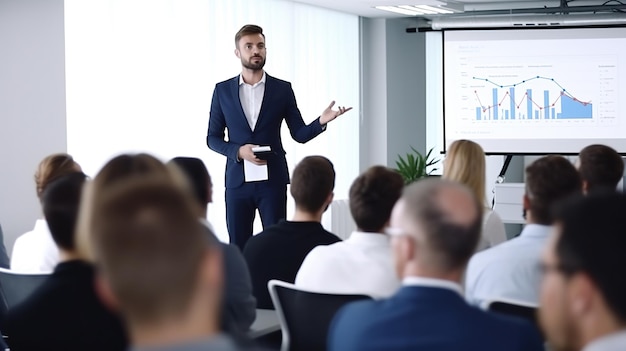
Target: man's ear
582, 294
237, 53
105, 293
526, 202
585, 186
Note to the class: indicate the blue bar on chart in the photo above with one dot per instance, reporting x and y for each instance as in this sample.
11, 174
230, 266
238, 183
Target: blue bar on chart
478, 110
546, 104
552, 113
512, 98
573, 109
536, 114
506, 114
529, 104
495, 103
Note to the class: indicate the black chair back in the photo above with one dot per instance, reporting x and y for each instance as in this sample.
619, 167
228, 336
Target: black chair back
517, 309
306, 316
15, 287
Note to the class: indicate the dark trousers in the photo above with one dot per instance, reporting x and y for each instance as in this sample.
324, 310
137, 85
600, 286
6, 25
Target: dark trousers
242, 202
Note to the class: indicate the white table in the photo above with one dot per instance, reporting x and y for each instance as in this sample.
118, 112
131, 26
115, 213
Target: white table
266, 322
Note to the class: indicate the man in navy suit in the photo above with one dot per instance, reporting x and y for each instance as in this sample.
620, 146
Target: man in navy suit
252, 107
436, 227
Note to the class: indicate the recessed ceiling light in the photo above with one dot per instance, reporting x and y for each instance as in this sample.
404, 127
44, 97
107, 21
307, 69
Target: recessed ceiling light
433, 8
400, 10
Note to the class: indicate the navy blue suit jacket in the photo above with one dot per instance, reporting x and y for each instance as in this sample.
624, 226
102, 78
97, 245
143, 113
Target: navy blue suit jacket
428, 319
279, 102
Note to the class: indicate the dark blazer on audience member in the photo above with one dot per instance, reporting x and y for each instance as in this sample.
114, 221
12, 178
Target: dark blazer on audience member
64, 313
239, 302
278, 252
428, 318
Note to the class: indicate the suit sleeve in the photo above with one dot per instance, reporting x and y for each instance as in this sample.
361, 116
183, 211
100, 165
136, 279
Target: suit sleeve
217, 126
240, 303
300, 132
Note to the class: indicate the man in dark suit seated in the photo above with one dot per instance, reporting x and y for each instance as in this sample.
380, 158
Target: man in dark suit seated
278, 251
435, 226
239, 303
65, 312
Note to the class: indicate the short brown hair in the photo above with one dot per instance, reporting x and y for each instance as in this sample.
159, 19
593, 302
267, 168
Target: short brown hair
248, 29
53, 167
449, 242
548, 180
312, 181
149, 245
372, 197
601, 167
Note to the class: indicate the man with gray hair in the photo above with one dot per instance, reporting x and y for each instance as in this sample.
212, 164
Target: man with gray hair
435, 226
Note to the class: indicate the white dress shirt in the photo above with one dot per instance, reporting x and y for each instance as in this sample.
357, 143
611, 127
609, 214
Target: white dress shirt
510, 270
493, 232
35, 251
611, 342
251, 98
362, 264
433, 283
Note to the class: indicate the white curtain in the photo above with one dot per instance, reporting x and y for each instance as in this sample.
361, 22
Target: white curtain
140, 75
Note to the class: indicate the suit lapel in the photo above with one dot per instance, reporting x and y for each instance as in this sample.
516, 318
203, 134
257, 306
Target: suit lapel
234, 88
269, 82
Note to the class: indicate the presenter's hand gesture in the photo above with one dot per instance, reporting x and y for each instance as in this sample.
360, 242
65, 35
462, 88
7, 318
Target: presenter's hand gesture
246, 153
329, 114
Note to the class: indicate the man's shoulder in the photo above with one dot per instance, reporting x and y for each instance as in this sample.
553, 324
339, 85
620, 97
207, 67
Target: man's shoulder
227, 82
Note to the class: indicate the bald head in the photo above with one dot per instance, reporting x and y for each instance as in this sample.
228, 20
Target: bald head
444, 218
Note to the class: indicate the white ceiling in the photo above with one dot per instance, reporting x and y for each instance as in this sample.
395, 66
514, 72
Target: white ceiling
366, 8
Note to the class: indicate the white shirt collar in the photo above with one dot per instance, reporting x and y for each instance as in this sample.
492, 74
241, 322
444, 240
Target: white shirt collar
41, 225
536, 230
611, 342
369, 239
433, 283
263, 78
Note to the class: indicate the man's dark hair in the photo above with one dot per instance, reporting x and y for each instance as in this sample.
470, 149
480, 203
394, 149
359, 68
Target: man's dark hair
60, 202
372, 197
592, 241
452, 243
198, 176
601, 167
312, 181
548, 180
247, 30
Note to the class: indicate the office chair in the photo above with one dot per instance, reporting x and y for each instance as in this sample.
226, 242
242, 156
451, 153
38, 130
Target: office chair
305, 316
520, 309
15, 287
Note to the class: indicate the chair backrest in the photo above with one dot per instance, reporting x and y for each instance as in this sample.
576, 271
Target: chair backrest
15, 287
305, 316
521, 309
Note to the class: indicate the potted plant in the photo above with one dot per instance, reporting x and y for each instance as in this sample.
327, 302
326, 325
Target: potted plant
416, 166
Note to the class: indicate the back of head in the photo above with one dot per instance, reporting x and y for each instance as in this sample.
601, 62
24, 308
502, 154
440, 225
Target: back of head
445, 220
548, 180
372, 197
198, 176
61, 201
149, 245
53, 167
465, 164
312, 182
600, 167
592, 242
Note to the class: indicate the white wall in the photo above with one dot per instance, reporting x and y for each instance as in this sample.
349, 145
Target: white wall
32, 104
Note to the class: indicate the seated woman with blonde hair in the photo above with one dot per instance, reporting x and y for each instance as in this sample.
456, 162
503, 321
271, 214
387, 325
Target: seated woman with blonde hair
465, 164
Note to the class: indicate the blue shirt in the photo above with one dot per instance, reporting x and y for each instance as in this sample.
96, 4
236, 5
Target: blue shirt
509, 271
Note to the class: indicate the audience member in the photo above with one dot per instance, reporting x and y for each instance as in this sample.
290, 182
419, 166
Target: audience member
239, 301
278, 251
600, 167
65, 312
436, 227
158, 266
140, 166
511, 270
583, 289
35, 251
363, 264
465, 163
4, 258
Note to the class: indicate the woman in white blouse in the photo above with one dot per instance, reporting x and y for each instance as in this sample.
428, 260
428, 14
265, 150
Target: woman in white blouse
35, 251
465, 164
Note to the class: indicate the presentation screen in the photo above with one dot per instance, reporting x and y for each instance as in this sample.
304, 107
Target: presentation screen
536, 91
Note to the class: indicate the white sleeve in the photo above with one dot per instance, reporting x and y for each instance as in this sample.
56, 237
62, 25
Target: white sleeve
493, 229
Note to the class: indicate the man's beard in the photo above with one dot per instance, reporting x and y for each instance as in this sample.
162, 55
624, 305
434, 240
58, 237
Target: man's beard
254, 66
